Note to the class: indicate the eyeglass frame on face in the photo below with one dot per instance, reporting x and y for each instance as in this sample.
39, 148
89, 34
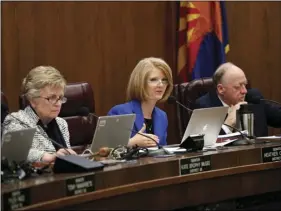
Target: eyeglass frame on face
61, 98
155, 81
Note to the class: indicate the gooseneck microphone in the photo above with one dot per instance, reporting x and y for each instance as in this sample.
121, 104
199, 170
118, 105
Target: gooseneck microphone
173, 100
254, 97
239, 131
272, 101
257, 100
53, 141
84, 111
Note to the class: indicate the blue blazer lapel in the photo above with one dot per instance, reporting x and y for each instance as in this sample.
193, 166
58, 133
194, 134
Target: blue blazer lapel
157, 124
136, 107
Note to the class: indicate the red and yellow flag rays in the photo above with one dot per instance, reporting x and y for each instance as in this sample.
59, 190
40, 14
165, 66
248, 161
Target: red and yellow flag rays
196, 20
193, 25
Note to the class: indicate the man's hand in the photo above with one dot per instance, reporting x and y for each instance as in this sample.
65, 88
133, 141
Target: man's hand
231, 118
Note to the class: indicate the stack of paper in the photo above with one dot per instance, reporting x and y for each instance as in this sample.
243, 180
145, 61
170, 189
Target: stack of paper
230, 136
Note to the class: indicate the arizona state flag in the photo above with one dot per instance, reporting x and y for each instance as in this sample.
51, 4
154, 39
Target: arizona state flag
203, 39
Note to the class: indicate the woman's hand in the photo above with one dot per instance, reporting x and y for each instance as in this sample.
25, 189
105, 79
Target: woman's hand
66, 151
48, 157
143, 141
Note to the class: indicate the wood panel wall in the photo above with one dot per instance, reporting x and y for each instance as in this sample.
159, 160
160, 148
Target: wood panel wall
98, 42
101, 42
255, 44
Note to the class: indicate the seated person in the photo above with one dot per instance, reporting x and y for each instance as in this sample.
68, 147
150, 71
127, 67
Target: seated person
149, 83
44, 88
4, 111
230, 90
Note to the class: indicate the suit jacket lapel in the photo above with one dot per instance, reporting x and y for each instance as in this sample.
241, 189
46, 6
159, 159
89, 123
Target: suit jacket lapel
139, 115
214, 99
157, 124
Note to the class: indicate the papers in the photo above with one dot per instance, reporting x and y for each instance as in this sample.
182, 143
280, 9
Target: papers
219, 145
175, 149
169, 149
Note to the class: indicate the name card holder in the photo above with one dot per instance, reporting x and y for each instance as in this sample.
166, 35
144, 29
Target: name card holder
195, 165
193, 143
271, 154
80, 185
16, 199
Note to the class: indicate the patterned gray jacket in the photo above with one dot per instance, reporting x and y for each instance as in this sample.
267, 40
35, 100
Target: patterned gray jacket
41, 143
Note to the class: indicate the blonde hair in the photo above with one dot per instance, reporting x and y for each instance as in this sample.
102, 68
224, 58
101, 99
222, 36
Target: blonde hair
137, 86
39, 77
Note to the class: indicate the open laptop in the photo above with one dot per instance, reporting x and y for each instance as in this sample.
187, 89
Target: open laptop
207, 121
112, 131
16, 144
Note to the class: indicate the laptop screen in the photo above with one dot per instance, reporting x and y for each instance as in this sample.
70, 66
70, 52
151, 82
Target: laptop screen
112, 131
207, 121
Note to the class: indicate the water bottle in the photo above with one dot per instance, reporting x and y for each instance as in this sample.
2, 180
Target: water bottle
245, 118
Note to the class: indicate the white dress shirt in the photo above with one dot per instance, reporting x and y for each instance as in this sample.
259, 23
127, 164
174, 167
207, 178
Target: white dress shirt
226, 129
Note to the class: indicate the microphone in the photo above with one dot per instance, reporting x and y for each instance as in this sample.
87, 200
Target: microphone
53, 141
253, 96
172, 100
258, 99
84, 111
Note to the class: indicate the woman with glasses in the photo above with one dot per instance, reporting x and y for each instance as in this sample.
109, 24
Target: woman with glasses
44, 89
149, 83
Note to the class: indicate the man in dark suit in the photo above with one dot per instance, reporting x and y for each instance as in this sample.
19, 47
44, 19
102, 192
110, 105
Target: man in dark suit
230, 91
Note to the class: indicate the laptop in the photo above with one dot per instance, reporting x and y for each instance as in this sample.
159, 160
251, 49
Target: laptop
15, 145
207, 121
112, 131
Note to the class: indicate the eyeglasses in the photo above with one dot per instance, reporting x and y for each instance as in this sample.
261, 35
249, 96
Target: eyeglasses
53, 99
155, 81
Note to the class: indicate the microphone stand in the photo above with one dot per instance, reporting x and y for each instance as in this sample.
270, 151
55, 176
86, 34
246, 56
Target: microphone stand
160, 151
247, 140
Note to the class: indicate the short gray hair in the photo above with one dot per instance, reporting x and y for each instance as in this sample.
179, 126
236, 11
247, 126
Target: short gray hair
39, 77
219, 73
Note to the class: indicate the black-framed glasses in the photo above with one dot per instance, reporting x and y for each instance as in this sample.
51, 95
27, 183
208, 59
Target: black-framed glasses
54, 99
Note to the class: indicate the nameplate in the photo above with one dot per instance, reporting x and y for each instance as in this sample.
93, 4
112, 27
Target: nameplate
80, 185
195, 164
271, 154
16, 199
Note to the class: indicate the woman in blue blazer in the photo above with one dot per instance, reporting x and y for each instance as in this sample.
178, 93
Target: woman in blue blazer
150, 82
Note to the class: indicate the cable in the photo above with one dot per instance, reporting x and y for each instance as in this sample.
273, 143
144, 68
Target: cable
243, 135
